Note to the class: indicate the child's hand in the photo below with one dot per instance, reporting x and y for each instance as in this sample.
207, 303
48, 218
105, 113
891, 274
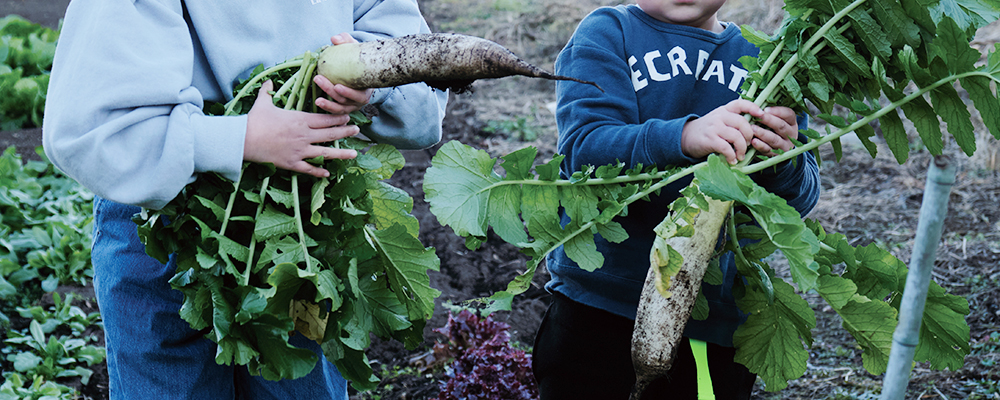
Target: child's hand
783, 126
286, 137
343, 100
724, 130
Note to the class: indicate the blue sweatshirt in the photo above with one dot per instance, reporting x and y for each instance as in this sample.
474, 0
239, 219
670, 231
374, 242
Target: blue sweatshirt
130, 77
657, 76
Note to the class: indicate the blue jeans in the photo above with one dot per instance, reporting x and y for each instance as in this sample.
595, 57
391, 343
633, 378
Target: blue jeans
152, 352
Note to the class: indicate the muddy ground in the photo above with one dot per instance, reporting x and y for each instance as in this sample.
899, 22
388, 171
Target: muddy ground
869, 200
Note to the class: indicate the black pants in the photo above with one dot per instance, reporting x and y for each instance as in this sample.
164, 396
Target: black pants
585, 353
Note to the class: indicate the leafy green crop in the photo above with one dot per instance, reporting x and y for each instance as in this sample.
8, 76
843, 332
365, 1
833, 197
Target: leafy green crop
42, 351
40, 389
45, 229
45, 238
851, 54
276, 252
26, 52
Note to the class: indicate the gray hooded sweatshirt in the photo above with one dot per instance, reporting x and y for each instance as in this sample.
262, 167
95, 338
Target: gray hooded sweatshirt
124, 115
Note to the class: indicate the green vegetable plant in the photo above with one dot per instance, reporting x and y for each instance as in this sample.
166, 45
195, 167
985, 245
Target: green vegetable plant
39, 389
276, 253
26, 52
872, 58
46, 350
45, 231
62, 315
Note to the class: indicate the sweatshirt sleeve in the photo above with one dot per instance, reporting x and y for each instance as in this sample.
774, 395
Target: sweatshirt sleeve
796, 181
409, 115
122, 116
598, 128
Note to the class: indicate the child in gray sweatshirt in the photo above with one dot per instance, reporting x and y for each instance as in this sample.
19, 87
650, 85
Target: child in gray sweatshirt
124, 117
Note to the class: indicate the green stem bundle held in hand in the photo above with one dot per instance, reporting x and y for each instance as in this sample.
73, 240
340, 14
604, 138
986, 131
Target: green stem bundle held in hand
334, 258
827, 53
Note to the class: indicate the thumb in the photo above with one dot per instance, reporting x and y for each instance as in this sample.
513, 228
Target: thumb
265, 93
342, 38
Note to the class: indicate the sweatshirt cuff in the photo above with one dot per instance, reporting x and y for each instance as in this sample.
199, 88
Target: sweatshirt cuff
777, 178
663, 143
218, 144
379, 95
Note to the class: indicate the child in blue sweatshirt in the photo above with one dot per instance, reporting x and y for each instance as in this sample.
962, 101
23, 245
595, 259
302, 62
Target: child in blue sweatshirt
672, 77
124, 117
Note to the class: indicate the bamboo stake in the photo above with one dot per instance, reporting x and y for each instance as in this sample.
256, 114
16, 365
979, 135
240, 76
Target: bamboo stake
933, 210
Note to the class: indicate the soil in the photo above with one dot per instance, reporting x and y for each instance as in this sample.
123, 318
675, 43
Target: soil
867, 199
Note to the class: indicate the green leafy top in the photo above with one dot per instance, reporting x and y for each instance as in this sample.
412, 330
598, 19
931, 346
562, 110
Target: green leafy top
334, 258
868, 49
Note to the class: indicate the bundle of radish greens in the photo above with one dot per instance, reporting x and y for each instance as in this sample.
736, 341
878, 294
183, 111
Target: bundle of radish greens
335, 259
856, 62
279, 253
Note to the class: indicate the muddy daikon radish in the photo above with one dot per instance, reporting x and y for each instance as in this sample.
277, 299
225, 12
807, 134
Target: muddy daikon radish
660, 321
442, 60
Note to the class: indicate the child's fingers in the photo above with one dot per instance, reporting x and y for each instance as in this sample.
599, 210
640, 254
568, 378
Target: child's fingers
304, 167
762, 147
343, 100
735, 117
734, 141
264, 94
742, 106
333, 133
725, 149
319, 121
342, 94
771, 139
328, 153
785, 113
356, 96
330, 89
781, 120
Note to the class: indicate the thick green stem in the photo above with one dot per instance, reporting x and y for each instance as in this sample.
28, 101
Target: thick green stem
310, 68
256, 79
766, 66
788, 155
298, 221
253, 238
772, 85
584, 228
293, 91
648, 177
765, 279
288, 87
830, 24
229, 205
